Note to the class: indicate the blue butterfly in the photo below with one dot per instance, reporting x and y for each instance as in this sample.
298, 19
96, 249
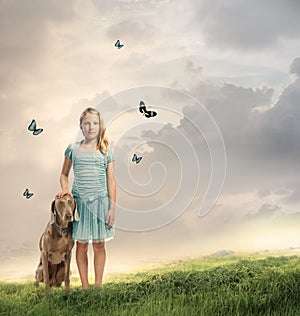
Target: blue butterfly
32, 128
27, 194
118, 44
136, 159
145, 111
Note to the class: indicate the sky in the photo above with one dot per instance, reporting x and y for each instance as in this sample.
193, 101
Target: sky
220, 160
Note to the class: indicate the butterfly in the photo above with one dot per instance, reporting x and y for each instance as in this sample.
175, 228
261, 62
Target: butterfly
118, 44
32, 128
136, 159
27, 194
145, 111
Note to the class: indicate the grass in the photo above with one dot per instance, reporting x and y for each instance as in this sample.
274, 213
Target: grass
230, 285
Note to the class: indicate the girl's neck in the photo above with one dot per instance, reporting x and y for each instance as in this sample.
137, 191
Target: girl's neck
91, 142
88, 145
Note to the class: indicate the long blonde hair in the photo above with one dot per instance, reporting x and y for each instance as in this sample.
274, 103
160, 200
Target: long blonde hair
102, 144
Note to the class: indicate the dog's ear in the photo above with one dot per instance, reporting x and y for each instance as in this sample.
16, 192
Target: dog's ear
75, 212
53, 206
75, 206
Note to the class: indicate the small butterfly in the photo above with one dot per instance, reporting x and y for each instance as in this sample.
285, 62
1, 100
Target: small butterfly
145, 111
27, 194
118, 44
136, 159
32, 128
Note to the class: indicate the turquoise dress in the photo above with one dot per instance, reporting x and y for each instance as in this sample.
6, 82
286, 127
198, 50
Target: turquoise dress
91, 194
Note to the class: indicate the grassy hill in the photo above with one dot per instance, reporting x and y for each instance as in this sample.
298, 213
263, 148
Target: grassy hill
218, 285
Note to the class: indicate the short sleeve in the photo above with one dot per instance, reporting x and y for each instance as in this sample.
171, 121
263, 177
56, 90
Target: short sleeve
69, 151
110, 155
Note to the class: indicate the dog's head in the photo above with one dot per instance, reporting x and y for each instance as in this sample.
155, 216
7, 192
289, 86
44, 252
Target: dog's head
65, 209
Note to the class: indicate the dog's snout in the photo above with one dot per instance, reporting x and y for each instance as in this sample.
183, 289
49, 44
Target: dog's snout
68, 217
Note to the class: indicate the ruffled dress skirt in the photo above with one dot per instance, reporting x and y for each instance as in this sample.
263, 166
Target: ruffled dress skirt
92, 226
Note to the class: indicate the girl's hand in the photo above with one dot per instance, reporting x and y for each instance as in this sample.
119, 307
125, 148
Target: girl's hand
110, 218
62, 193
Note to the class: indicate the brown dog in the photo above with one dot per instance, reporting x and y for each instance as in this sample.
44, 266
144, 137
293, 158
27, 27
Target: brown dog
56, 244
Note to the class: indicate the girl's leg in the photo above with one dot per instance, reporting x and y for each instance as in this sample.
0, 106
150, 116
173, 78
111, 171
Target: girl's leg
82, 263
99, 262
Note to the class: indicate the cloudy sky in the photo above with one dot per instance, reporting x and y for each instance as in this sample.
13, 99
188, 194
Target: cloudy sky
220, 166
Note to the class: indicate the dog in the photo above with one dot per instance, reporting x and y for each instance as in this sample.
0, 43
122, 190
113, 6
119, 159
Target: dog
56, 244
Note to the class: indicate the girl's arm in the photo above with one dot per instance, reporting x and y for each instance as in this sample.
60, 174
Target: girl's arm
64, 178
111, 186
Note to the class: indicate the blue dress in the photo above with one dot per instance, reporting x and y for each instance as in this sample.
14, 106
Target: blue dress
91, 194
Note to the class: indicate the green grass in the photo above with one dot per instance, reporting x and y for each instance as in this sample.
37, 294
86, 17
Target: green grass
230, 285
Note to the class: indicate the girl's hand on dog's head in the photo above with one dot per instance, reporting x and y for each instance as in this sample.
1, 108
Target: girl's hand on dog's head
62, 193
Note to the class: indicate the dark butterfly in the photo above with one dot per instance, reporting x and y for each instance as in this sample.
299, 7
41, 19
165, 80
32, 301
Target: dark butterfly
27, 194
136, 159
118, 44
32, 128
145, 111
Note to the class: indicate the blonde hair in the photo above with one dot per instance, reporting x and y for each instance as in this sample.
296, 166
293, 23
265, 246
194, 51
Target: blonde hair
102, 144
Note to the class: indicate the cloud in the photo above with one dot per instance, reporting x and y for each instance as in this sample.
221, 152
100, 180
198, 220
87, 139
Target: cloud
256, 162
128, 6
248, 25
141, 32
279, 128
260, 145
265, 212
24, 32
295, 67
292, 196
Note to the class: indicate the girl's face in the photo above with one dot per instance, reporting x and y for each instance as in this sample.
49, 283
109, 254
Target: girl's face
90, 126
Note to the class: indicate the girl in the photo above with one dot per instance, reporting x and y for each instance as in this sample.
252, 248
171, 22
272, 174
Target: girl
94, 190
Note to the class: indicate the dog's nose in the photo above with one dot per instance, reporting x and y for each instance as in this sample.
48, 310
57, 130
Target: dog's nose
68, 217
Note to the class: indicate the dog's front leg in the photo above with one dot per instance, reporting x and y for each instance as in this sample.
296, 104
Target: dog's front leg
45, 264
39, 274
67, 271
